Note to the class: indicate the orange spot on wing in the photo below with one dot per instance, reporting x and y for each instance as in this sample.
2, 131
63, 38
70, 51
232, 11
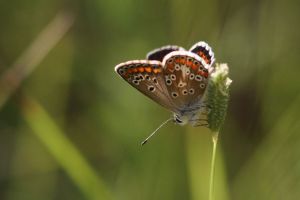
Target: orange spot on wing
135, 70
206, 60
189, 64
156, 70
141, 69
204, 57
203, 73
129, 71
182, 61
194, 67
148, 69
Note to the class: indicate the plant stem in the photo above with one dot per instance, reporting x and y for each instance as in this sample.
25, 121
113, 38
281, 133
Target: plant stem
212, 170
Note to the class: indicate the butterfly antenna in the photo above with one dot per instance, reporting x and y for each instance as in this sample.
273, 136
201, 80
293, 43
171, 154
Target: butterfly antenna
164, 123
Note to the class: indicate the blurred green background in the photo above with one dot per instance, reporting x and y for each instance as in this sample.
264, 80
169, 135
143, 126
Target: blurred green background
70, 128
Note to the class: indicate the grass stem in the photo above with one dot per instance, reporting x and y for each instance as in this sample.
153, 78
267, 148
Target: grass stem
213, 161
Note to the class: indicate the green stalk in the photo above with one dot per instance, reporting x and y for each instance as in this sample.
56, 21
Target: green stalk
212, 169
217, 97
82, 174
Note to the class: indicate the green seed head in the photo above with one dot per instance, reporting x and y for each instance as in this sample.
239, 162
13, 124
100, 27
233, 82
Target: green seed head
217, 96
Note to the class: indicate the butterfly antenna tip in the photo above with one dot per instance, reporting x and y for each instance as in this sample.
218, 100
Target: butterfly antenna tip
146, 140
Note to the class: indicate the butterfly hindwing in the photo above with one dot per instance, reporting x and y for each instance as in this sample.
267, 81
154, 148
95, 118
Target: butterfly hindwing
147, 77
160, 53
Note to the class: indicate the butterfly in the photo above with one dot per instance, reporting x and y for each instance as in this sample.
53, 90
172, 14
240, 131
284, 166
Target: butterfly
174, 78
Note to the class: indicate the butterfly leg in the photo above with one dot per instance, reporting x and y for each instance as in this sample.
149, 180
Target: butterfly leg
197, 121
201, 123
205, 109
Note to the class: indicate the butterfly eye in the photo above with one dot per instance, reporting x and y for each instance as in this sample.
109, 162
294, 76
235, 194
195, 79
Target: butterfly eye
155, 80
201, 67
177, 119
170, 60
202, 85
189, 59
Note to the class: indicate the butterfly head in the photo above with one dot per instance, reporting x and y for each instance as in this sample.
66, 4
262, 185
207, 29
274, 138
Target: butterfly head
180, 119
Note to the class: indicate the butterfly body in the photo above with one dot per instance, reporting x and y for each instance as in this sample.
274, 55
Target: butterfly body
174, 78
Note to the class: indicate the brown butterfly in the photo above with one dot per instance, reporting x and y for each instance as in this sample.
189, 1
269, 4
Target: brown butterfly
174, 78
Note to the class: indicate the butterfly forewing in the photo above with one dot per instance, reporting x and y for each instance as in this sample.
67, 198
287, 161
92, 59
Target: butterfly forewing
186, 78
160, 53
147, 76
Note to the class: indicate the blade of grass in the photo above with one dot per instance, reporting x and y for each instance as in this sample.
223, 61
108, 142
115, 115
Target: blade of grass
66, 154
34, 54
199, 166
213, 162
